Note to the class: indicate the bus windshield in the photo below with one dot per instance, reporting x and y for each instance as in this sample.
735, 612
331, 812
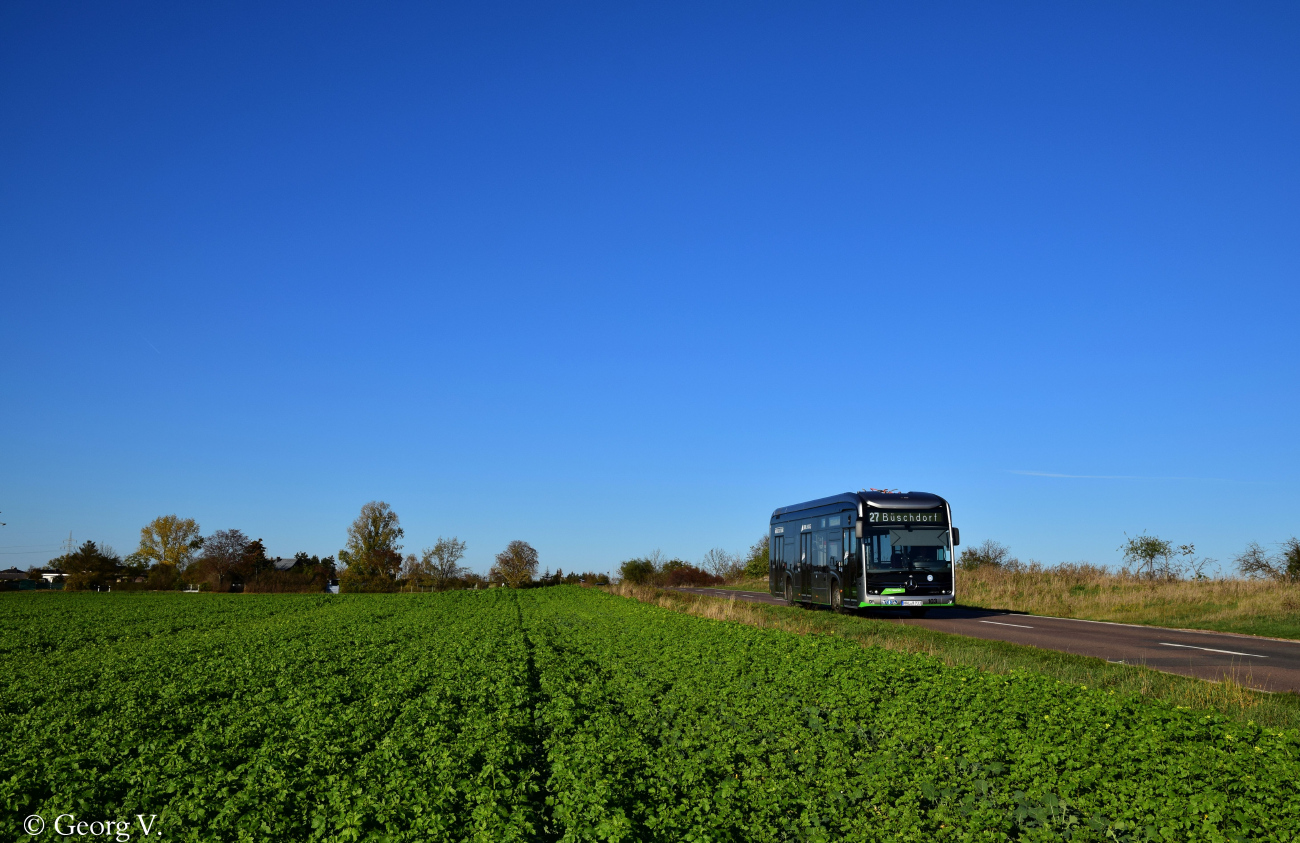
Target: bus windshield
909, 550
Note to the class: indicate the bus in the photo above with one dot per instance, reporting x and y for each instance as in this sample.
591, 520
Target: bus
869, 549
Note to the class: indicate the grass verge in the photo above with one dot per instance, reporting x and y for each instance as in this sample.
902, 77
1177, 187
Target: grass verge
744, 585
1227, 697
1254, 607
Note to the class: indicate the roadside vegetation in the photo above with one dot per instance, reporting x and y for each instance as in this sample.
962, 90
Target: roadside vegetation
718, 568
1158, 584
1229, 696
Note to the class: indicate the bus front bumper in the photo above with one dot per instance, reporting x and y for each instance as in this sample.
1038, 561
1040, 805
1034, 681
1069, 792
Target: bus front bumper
905, 600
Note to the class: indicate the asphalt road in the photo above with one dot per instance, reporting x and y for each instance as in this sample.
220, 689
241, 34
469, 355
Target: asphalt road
1268, 664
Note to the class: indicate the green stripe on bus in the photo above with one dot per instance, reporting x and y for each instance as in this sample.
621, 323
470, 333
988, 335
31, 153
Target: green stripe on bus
865, 605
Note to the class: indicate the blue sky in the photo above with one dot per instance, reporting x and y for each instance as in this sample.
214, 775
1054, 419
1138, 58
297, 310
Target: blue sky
612, 277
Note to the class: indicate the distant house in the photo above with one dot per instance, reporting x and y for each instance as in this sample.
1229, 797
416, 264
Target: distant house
282, 564
13, 579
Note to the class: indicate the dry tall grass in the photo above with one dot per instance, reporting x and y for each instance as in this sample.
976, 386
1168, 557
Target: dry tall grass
1231, 695
1261, 607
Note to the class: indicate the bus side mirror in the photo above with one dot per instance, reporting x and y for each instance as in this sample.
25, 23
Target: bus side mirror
858, 528
956, 537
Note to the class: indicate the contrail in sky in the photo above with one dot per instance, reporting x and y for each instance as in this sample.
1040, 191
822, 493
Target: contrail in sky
1110, 476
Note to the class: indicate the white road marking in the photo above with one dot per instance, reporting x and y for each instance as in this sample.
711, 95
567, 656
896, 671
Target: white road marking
1022, 626
1212, 650
1162, 628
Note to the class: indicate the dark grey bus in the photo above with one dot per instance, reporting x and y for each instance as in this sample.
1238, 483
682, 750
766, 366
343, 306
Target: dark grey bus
864, 549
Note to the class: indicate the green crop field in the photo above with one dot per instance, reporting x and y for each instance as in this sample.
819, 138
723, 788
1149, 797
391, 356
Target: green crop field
570, 714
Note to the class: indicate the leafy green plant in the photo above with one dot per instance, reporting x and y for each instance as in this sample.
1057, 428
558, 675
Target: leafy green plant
570, 714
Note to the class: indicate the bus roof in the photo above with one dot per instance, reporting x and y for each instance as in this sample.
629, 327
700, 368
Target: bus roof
901, 500
862, 500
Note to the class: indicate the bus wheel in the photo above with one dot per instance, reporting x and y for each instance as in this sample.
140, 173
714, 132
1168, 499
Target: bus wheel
837, 599
789, 593
917, 613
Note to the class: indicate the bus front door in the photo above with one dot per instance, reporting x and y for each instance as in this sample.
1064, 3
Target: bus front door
771, 566
775, 567
803, 582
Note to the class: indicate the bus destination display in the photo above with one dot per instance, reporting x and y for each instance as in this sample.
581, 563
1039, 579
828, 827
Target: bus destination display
898, 516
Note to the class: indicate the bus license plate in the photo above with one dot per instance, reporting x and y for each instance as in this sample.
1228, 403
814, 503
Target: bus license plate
913, 602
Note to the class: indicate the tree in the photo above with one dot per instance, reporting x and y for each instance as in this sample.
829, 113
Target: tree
516, 564
373, 549
412, 568
442, 561
637, 571
89, 564
1255, 562
1291, 558
756, 561
1158, 558
254, 560
724, 565
223, 551
170, 540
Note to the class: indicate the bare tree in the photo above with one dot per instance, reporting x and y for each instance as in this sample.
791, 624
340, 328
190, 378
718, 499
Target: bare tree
222, 551
442, 561
515, 565
720, 563
1257, 563
411, 567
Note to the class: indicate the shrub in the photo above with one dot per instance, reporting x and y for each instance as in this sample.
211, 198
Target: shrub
304, 579
84, 581
689, 575
639, 571
988, 554
353, 581
163, 577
